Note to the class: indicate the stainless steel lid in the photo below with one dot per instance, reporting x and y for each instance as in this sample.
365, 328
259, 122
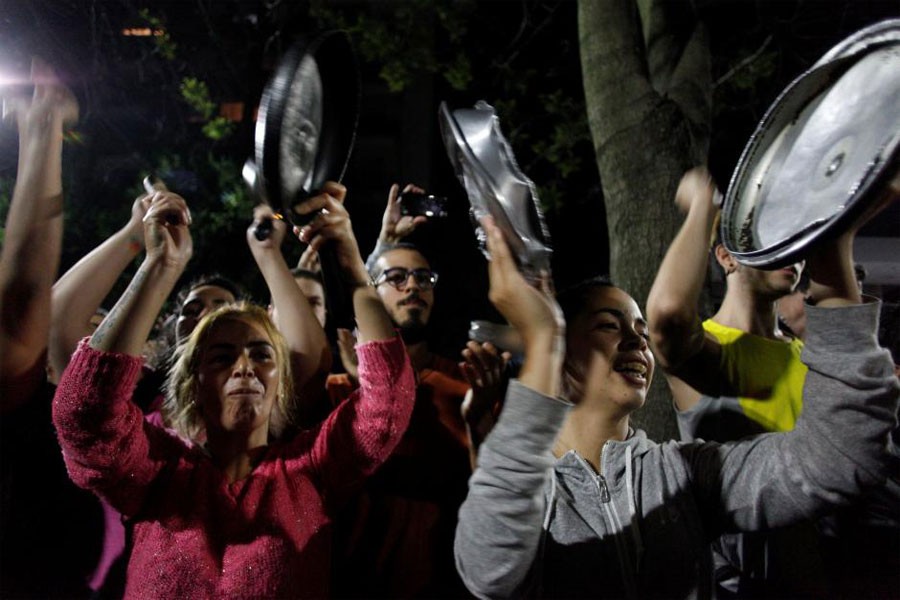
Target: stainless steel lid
487, 169
828, 140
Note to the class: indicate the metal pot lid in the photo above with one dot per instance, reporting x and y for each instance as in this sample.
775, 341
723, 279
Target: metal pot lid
828, 140
307, 119
486, 167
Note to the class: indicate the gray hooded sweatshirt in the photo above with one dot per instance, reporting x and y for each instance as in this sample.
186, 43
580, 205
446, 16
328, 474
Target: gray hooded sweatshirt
535, 526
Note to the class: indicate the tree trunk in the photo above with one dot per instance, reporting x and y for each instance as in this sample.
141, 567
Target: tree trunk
648, 109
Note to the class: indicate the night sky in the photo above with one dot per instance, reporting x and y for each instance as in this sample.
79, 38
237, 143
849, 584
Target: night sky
134, 119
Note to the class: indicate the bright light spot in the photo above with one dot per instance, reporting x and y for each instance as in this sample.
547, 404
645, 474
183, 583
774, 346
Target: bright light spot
142, 32
7, 79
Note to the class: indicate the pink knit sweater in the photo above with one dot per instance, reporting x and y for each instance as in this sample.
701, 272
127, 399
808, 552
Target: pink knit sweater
196, 535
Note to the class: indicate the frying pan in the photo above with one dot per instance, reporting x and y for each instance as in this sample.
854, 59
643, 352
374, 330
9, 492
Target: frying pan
305, 132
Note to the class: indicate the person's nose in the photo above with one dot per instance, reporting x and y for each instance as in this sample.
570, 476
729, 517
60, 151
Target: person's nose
411, 282
632, 339
243, 366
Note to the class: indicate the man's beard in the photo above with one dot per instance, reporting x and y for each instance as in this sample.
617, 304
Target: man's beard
413, 329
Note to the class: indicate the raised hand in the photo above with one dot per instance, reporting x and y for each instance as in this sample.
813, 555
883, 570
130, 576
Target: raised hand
484, 368
531, 310
52, 104
394, 226
309, 261
30, 253
292, 312
830, 264
134, 229
263, 214
332, 223
80, 291
169, 247
166, 236
41, 120
696, 187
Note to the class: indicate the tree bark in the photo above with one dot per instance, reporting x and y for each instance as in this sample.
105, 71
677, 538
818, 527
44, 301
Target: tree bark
648, 108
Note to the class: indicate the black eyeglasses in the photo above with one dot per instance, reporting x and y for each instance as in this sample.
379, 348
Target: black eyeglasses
398, 277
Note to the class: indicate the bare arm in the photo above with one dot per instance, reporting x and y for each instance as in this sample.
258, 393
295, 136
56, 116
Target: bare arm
676, 331
838, 446
105, 444
31, 249
80, 291
293, 315
372, 319
169, 247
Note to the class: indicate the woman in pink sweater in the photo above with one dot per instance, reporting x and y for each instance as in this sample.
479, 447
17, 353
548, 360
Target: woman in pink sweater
226, 514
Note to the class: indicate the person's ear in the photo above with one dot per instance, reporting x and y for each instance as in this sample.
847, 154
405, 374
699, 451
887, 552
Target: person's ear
725, 259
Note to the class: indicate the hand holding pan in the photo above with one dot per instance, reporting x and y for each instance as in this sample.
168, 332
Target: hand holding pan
487, 169
304, 136
821, 155
485, 165
307, 121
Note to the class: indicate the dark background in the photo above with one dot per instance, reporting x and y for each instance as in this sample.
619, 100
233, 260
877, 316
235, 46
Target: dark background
521, 56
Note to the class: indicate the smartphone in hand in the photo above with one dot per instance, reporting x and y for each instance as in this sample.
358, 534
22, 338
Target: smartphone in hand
414, 204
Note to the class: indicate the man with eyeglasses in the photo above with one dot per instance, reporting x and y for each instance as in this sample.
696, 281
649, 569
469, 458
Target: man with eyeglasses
396, 539
406, 286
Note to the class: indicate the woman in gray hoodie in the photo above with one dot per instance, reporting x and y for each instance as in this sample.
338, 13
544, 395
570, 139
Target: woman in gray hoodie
569, 501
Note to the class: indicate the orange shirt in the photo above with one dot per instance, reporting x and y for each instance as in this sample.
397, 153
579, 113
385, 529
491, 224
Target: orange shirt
396, 539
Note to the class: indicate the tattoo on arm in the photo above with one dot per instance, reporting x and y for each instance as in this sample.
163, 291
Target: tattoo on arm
117, 313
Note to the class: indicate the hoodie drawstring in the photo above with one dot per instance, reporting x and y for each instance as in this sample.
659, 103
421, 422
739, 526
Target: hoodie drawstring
632, 511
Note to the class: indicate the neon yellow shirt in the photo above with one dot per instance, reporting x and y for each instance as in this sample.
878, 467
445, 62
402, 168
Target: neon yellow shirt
766, 375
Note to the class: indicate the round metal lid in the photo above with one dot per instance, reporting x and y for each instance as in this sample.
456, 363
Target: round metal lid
827, 141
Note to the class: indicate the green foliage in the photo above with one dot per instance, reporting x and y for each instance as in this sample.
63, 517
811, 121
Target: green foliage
400, 37
165, 45
218, 128
221, 212
194, 91
231, 207
471, 50
749, 74
464, 43
459, 73
762, 67
196, 94
561, 147
235, 202
550, 134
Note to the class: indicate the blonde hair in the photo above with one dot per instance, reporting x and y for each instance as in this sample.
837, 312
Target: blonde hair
181, 408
